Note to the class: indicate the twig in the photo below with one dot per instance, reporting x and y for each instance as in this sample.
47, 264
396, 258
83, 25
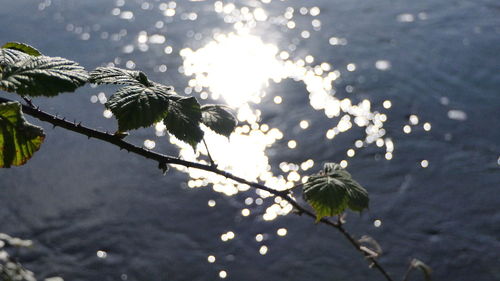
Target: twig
162, 159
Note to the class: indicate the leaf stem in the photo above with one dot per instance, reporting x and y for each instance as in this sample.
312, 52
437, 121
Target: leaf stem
212, 163
56, 121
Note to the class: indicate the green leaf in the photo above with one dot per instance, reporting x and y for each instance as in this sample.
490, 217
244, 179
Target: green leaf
25, 48
218, 118
19, 140
183, 120
115, 75
326, 195
42, 76
138, 106
143, 102
333, 190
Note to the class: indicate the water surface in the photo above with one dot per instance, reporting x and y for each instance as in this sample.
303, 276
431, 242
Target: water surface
404, 94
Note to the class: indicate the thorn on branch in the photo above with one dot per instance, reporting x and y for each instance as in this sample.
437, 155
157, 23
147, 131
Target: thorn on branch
372, 248
163, 166
28, 102
341, 218
369, 253
120, 135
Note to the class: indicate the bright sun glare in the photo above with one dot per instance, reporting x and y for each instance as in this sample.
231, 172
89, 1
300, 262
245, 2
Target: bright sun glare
236, 68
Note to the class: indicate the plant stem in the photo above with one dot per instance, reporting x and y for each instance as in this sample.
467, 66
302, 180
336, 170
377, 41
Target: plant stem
212, 163
56, 121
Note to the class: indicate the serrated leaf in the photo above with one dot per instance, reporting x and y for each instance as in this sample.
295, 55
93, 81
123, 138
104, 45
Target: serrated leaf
42, 76
218, 118
19, 140
9, 56
138, 106
358, 196
25, 48
332, 191
326, 195
332, 168
183, 120
115, 75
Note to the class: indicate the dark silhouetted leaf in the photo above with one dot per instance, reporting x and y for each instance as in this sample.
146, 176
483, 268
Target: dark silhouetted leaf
19, 140
115, 75
218, 118
333, 190
138, 106
183, 120
27, 49
143, 102
358, 196
42, 76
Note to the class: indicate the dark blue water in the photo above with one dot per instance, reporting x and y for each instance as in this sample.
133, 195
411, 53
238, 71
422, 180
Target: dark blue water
77, 196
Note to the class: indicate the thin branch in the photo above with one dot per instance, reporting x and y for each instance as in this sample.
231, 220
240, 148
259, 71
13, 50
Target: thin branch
357, 245
162, 159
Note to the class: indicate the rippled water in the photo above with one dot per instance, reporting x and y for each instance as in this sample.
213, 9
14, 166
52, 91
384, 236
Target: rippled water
403, 94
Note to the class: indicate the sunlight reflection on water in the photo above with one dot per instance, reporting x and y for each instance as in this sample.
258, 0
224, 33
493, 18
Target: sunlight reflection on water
236, 68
